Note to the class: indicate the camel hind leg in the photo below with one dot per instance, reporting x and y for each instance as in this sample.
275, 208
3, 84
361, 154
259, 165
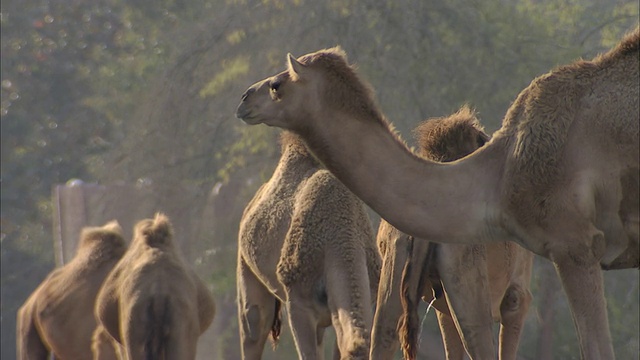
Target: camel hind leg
349, 300
384, 339
414, 285
307, 335
258, 313
182, 343
463, 273
29, 344
514, 307
454, 350
513, 311
103, 346
161, 327
145, 328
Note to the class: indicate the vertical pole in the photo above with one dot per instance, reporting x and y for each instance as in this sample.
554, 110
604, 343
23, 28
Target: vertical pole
68, 220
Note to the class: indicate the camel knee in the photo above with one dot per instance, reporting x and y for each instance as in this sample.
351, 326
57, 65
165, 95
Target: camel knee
355, 349
515, 300
353, 341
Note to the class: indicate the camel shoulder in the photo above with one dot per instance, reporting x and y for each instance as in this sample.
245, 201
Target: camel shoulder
579, 103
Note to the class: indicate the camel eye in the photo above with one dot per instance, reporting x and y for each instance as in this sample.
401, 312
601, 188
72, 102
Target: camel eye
275, 86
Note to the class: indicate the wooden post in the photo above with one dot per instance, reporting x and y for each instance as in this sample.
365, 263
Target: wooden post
69, 218
77, 204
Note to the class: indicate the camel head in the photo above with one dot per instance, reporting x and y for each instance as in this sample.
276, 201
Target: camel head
301, 94
278, 100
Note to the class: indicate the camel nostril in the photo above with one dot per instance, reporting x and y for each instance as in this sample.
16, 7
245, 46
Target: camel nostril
247, 93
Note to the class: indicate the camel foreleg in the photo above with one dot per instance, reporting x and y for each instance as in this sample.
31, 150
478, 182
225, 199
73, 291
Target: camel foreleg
583, 285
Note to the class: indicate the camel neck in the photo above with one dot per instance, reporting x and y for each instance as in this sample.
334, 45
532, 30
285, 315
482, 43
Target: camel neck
415, 195
296, 161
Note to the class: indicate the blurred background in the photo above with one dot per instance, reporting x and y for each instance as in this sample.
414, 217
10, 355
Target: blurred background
117, 109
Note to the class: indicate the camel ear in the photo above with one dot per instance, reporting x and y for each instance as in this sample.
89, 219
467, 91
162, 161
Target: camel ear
295, 67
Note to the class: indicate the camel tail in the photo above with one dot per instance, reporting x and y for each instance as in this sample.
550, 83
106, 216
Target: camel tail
158, 323
408, 323
277, 323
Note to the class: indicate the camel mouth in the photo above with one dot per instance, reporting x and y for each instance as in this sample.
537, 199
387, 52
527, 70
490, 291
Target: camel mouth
244, 114
249, 120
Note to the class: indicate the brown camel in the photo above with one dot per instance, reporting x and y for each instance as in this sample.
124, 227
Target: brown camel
560, 177
482, 283
152, 303
57, 319
104, 347
306, 241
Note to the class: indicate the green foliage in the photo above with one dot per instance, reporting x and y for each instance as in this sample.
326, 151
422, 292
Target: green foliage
231, 69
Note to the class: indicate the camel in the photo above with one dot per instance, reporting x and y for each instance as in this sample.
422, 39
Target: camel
560, 177
57, 319
103, 346
306, 241
152, 304
482, 283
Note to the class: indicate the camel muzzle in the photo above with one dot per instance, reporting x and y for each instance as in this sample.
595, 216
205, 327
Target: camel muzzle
242, 112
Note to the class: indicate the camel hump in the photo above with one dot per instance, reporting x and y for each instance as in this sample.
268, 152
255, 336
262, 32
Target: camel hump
113, 226
451, 137
156, 231
631, 43
628, 46
109, 234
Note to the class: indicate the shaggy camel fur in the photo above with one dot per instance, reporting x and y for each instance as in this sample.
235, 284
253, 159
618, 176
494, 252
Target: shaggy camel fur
58, 317
152, 303
560, 177
305, 240
482, 283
